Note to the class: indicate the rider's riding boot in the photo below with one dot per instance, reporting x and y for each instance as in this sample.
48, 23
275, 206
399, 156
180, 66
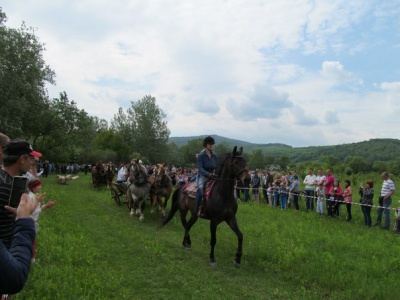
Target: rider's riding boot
198, 202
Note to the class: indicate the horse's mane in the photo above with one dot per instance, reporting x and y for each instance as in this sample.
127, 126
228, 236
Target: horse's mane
221, 163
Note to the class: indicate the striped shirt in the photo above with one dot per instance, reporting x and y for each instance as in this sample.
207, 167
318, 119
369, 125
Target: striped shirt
7, 218
387, 187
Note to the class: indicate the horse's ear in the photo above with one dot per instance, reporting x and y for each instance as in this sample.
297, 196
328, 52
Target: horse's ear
240, 150
234, 151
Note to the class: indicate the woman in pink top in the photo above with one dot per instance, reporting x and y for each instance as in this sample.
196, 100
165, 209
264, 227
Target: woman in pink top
336, 193
328, 184
348, 198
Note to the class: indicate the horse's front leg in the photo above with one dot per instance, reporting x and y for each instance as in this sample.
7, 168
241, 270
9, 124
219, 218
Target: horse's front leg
130, 202
234, 226
161, 205
213, 242
141, 209
153, 200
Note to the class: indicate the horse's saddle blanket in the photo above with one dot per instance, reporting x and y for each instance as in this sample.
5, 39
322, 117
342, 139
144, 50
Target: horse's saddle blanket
190, 189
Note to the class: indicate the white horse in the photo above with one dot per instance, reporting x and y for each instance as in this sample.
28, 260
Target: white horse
139, 188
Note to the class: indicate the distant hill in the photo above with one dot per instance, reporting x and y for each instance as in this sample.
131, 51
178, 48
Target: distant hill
372, 150
183, 140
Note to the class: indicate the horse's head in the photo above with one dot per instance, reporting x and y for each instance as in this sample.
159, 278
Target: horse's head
160, 173
238, 165
137, 172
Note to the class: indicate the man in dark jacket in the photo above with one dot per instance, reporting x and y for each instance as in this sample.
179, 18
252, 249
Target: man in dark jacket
15, 263
18, 156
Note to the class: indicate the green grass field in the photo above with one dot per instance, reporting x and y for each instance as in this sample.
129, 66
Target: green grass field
90, 248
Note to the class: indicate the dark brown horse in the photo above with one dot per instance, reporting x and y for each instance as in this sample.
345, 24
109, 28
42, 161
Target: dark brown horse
221, 205
162, 188
102, 175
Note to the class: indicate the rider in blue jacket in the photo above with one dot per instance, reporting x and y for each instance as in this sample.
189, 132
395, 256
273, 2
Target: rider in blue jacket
206, 164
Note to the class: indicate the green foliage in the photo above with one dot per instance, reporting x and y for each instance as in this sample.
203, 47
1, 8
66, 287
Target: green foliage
90, 248
222, 148
190, 150
257, 159
148, 131
113, 141
357, 164
23, 75
283, 162
70, 132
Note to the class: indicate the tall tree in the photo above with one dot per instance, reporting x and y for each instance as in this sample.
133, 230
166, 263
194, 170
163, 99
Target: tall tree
257, 159
190, 150
71, 133
145, 126
221, 149
23, 77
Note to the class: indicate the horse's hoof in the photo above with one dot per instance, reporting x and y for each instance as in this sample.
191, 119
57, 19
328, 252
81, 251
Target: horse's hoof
213, 264
236, 264
141, 218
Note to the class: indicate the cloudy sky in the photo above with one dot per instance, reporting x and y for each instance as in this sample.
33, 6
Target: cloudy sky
298, 72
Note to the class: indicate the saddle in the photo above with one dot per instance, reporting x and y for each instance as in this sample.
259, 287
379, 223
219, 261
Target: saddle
190, 189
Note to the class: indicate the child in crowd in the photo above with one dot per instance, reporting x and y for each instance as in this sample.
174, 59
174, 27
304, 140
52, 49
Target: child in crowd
348, 198
320, 197
336, 199
283, 195
270, 192
35, 187
276, 191
397, 226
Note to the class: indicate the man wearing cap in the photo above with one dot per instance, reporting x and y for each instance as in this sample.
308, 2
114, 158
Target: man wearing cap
17, 160
3, 141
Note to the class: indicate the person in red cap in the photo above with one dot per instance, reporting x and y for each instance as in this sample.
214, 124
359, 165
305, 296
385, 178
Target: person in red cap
17, 159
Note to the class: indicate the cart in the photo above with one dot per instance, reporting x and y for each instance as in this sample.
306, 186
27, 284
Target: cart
117, 191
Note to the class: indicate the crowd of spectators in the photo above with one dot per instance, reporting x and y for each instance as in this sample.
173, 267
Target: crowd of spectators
322, 193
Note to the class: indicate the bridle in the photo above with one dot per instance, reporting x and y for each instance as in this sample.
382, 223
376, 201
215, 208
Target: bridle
236, 175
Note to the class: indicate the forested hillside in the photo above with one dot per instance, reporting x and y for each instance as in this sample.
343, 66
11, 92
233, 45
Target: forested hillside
371, 151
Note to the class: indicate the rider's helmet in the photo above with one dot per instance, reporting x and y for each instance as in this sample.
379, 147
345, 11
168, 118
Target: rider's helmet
208, 141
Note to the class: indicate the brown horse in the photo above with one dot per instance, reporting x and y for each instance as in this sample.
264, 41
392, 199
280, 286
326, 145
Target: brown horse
109, 174
221, 205
161, 189
101, 175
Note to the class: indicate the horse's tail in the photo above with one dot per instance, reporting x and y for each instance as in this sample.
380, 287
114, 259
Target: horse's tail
173, 210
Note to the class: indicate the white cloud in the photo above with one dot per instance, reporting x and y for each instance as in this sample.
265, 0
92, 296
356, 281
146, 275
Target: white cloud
261, 71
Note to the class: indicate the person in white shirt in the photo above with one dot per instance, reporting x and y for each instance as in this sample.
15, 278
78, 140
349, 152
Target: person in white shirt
122, 174
385, 200
309, 189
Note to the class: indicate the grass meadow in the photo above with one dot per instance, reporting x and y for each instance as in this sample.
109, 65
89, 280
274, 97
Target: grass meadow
90, 248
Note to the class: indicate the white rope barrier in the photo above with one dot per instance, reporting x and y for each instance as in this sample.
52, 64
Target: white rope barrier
325, 200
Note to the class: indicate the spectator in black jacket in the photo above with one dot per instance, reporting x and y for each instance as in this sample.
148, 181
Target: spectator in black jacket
15, 263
